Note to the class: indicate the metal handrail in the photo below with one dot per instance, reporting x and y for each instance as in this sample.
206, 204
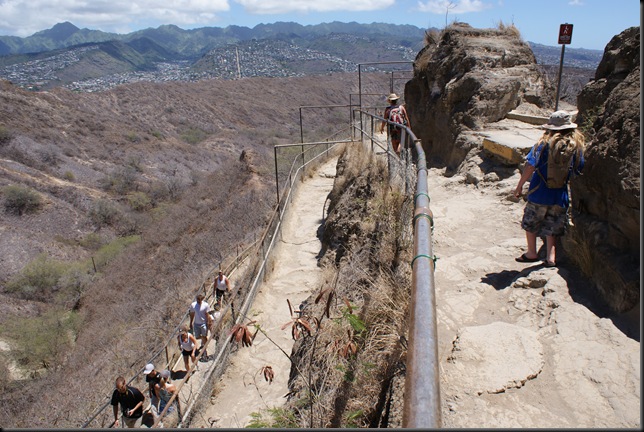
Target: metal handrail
422, 391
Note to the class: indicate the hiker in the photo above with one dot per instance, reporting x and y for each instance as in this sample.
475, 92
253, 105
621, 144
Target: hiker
545, 213
398, 114
221, 286
166, 391
188, 345
152, 377
200, 320
131, 400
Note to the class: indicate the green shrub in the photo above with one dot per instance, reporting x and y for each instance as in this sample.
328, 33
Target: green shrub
121, 180
69, 176
104, 213
5, 135
42, 341
281, 418
193, 135
111, 250
139, 201
19, 200
132, 137
38, 279
91, 241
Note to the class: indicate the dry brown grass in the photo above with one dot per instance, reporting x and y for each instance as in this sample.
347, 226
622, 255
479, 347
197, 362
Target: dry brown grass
204, 203
509, 29
347, 366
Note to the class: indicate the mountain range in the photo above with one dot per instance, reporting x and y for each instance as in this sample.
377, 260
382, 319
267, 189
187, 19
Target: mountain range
65, 54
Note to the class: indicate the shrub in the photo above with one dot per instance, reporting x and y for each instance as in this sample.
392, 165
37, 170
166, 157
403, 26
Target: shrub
69, 176
5, 373
135, 163
139, 201
19, 200
193, 135
132, 137
38, 279
121, 180
43, 340
104, 213
281, 418
5, 135
49, 156
111, 250
91, 241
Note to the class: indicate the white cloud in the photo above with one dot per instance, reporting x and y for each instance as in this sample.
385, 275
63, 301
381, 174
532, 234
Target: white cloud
25, 17
286, 6
576, 3
440, 7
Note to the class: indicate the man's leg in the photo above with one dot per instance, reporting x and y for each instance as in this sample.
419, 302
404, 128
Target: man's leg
550, 249
531, 240
395, 143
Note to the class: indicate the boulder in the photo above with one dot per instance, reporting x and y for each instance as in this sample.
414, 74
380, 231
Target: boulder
470, 78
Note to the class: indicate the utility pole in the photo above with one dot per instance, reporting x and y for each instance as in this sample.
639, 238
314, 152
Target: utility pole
238, 67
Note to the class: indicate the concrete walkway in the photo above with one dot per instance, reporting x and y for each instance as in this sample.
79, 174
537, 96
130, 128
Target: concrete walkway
242, 389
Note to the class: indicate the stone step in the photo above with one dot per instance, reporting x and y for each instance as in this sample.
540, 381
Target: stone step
511, 139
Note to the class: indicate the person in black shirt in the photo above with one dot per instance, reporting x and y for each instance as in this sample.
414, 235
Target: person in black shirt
131, 400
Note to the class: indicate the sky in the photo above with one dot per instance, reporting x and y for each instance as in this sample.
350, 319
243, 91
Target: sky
594, 22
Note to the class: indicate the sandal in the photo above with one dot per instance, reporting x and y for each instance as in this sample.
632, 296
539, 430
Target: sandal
524, 259
549, 264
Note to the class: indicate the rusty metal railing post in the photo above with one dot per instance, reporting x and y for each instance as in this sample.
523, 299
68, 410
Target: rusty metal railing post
277, 179
301, 127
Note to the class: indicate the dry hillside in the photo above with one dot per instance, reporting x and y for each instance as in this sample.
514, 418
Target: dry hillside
113, 207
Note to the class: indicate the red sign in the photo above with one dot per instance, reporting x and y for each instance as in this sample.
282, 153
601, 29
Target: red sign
565, 33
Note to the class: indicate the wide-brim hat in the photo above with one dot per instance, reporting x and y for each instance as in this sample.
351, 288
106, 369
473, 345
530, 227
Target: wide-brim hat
392, 97
560, 120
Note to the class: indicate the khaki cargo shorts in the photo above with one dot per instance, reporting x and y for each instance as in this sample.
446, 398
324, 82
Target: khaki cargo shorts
544, 220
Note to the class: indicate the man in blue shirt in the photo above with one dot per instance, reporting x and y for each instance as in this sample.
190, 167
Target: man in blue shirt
545, 214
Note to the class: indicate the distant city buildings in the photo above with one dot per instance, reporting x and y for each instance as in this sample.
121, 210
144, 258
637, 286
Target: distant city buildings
263, 57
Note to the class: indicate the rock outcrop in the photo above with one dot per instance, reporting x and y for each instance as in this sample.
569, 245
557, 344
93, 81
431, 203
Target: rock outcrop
605, 240
470, 78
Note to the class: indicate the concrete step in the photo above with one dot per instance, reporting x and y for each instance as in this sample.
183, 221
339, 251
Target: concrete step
511, 139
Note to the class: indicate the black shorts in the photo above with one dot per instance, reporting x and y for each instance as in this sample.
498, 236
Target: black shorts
187, 353
219, 294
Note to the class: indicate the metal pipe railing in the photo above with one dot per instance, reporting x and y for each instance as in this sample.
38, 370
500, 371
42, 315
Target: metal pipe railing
266, 244
422, 391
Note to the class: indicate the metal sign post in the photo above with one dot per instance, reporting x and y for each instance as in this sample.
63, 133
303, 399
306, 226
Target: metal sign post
565, 36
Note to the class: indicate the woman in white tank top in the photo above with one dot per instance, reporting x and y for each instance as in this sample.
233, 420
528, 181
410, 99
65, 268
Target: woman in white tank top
187, 344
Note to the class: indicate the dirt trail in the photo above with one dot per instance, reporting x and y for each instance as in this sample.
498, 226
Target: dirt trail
242, 389
519, 344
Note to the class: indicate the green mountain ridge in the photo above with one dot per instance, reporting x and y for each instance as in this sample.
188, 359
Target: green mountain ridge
65, 54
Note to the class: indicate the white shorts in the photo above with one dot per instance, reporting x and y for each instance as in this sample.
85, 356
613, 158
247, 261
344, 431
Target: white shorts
200, 330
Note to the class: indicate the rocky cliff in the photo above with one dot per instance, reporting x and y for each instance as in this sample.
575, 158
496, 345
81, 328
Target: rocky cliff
466, 79
469, 78
605, 240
